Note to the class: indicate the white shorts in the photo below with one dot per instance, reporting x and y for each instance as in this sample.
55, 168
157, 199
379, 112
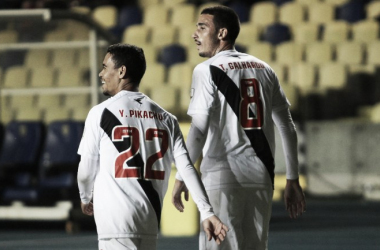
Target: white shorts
127, 244
247, 212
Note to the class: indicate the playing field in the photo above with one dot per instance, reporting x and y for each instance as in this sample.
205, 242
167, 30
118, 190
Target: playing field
327, 225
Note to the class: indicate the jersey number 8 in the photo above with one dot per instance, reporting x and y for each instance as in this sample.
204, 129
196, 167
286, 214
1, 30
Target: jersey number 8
250, 101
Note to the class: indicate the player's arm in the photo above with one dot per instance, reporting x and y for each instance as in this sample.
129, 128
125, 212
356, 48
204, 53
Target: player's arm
293, 196
195, 142
212, 225
87, 171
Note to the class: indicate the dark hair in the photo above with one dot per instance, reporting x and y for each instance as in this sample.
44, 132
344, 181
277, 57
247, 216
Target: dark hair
225, 17
132, 57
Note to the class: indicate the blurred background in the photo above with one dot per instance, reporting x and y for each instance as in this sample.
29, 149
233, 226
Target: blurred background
326, 54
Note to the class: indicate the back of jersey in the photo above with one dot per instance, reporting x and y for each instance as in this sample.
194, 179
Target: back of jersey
137, 139
238, 92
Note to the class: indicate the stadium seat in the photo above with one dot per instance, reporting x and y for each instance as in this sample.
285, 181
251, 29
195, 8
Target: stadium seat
80, 113
291, 13
21, 146
60, 35
336, 3
12, 58
42, 77
280, 70
173, 3
365, 31
154, 76
136, 34
263, 51
248, 34
59, 162
53, 114
76, 100
291, 93
289, 53
172, 54
372, 9
16, 77
352, 11
146, 3
304, 33
70, 76
320, 13
336, 32
193, 57
185, 36
59, 153
63, 57
48, 100
37, 58
129, 15
303, 75
23, 101
241, 9
332, 76
318, 53
350, 53
183, 14
281, 2
307, 2
28, 114
163, 36
105, 15
277, 34
263, 13
156, 16
373, 53
8, 36
184, 101
180, 75
167, 97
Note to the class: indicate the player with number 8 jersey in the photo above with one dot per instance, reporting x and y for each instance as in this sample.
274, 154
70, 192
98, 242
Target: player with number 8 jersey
236, 101
127, 150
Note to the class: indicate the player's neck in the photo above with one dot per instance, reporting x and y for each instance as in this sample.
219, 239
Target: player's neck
223, 47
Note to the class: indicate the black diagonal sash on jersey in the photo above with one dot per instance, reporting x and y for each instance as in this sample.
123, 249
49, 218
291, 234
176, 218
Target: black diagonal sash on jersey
107, 123
256, 136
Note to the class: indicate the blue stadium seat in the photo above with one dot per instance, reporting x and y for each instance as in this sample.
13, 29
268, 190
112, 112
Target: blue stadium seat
59, 153
128, 15
59, 162
277, 33
172, 54
352, 11
242, 10
11, 58
281, 2
21, 146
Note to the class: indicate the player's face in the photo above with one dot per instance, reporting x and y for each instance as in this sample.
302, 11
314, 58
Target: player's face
205, 36
109, 77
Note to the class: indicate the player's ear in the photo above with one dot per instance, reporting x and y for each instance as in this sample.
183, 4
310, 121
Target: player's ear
123, 72
222, 34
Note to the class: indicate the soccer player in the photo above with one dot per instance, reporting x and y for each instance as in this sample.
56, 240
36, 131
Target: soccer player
126, 152
236, 99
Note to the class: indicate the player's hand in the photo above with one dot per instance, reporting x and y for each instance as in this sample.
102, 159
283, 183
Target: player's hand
294, 198
215, 229
87, 209
179, 187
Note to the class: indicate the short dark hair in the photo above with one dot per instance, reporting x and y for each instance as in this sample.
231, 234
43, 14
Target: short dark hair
225, 17
132, 57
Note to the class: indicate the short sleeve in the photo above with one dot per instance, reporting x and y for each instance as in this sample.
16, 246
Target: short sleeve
90, 142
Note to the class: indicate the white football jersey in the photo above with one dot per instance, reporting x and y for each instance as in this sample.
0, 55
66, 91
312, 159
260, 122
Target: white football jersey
135, 141
238, 92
